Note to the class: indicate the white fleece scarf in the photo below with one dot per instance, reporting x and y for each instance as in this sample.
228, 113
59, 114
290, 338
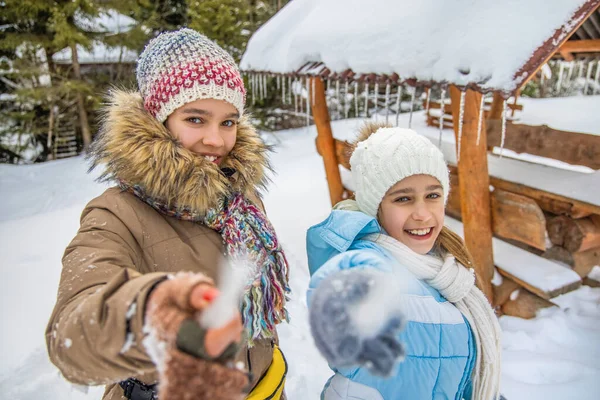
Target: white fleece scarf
457, 284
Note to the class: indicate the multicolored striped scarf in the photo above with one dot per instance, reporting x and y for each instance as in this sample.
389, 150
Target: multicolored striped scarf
246, 233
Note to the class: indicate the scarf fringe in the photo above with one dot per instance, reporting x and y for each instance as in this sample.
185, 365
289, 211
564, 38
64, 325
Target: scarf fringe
246, 233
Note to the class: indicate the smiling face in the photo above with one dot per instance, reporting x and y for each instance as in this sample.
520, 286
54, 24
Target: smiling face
207, 127
412, 212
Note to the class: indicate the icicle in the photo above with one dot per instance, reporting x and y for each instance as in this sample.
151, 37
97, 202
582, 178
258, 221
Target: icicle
503, 128
356, 98
265, 78
290, 90
398, 103
327, 87
597, 78
300, 89
295, 90
283, 90
307, 102
570, 72
337, 92
412, 106
257, 87
427, 102
542, 77
366, 99
442, 107
253, 88
312, 90
560, 74
460, 123
346, 105
375, 98
580, 69
480, 122
387, 102
588, 76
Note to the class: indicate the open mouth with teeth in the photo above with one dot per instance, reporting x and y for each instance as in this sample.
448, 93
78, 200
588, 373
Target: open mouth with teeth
420, 234
214, 159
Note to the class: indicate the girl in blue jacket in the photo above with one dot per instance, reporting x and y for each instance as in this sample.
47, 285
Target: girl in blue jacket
390, 282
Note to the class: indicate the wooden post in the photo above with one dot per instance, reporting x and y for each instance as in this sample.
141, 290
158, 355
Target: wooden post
497, 107
474, 187
325, 141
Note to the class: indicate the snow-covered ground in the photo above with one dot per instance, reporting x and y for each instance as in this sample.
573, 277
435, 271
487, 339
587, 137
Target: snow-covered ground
553, 356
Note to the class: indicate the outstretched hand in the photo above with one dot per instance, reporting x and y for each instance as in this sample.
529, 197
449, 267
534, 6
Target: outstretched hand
197, 362
339, 307
216, 339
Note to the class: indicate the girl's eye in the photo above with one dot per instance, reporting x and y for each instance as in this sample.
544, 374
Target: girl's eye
434, 196
229, 123
402, 199
195, 120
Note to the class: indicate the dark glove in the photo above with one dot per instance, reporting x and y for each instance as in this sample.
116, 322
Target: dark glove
333, 324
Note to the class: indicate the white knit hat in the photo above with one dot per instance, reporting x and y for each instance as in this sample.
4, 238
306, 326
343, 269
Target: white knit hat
388, 156
182, 66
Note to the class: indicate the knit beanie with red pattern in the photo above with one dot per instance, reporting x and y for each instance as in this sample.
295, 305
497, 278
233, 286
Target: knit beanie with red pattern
182, 66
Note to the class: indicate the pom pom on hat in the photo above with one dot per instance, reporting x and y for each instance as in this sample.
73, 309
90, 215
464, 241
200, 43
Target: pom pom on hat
182, 66
384, 156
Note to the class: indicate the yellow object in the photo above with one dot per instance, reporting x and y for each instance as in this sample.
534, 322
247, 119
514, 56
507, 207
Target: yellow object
270, 387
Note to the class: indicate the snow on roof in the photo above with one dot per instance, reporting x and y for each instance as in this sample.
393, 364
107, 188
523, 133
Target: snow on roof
487, 43
100, 53
109, 21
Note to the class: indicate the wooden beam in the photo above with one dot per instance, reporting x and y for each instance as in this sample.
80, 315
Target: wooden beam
503, 291
583, 235
582, 262
474, 186
545, 52
541, 140
581, 46
518, 218
539, 292
325, 141
553, 203
497, 106
524, 304
514, 216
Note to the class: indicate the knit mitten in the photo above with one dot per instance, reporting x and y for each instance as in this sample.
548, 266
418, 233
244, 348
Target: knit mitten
177, 347
335, 311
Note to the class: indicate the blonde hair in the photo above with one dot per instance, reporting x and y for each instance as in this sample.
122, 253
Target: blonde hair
448, 242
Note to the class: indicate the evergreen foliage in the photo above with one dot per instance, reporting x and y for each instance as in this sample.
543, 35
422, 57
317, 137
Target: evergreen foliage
37, 94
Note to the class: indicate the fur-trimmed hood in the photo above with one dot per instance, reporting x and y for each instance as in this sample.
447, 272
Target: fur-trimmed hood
139, 150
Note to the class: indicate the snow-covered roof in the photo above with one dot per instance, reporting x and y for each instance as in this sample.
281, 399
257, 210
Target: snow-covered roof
100, 53
486, 44
109, 21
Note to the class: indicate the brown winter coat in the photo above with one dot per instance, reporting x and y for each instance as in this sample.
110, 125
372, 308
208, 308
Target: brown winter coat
125, 246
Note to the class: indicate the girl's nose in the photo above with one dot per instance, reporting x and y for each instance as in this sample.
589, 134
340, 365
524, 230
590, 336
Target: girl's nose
212, 137
421, 213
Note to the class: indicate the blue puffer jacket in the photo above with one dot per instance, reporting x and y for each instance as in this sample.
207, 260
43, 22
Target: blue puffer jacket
439, 344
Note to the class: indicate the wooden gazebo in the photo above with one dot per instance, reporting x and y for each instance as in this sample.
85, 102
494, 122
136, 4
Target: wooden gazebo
468, 50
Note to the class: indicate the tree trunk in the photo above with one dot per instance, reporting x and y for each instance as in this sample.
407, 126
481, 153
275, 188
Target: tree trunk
83, 118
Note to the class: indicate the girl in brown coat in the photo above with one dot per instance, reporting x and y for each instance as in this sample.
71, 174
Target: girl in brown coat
188, 167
